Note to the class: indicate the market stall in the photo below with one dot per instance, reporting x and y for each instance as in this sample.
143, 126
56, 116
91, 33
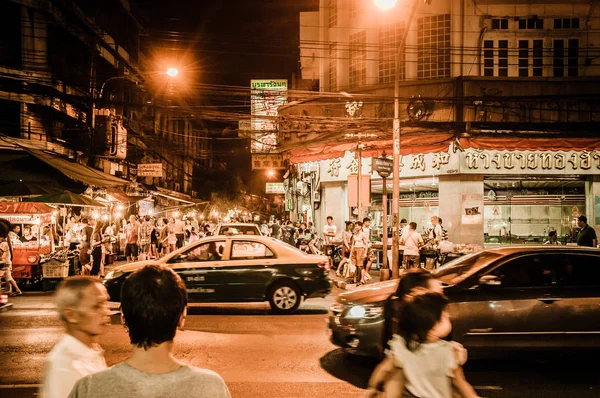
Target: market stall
37, 225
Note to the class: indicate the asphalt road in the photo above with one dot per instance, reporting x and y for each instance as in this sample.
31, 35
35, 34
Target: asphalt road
264, 355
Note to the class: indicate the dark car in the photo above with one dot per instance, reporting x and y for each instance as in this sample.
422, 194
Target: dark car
240, 268
508, 297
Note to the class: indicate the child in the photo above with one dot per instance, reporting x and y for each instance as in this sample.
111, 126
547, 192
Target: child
6, 266
420, 363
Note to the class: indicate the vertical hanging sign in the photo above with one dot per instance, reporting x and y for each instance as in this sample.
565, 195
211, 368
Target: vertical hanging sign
266, 97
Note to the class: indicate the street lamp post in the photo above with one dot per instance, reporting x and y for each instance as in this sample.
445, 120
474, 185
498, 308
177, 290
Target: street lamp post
386, 5
384, 168
171, 72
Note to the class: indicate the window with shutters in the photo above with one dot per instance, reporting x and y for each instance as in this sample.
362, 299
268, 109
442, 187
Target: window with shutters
495, 58
333, 13
565, 55
531, 58
358, 59
333, 72
433, 52
389, 40
500, 24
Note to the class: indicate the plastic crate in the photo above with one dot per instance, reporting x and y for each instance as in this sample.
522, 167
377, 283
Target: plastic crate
54, 269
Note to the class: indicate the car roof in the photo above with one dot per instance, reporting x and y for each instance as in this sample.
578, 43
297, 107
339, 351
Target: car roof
514, 249
280, 247
243, 224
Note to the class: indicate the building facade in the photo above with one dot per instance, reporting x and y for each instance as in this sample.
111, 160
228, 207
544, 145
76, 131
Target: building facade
74, 80
498, 112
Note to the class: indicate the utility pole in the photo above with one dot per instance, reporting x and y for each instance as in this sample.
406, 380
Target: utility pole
396, 144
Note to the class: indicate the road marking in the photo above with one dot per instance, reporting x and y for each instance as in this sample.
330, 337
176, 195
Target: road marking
9, 386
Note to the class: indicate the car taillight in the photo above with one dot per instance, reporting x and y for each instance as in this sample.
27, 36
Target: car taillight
3, 298
324, 265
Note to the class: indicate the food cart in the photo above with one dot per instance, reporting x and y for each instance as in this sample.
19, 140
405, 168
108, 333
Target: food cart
26, 254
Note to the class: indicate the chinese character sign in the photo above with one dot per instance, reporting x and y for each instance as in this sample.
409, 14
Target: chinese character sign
266, 97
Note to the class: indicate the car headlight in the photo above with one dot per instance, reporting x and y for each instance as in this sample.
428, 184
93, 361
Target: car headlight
113, 275
364, 312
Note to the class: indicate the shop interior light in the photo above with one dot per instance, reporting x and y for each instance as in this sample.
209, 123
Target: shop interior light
119, 214
105, 217
120, 207
176, 214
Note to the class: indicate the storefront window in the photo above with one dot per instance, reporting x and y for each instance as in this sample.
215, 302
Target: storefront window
524, 212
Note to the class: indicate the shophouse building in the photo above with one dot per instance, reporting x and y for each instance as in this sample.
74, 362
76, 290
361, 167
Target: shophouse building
75, 84
499, 115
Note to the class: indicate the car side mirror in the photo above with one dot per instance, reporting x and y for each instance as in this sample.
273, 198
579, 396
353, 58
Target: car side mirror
489, 280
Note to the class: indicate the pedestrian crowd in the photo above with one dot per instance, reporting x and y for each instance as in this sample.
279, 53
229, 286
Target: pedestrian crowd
137, 237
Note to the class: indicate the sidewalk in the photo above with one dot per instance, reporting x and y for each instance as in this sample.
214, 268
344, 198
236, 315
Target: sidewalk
348, 284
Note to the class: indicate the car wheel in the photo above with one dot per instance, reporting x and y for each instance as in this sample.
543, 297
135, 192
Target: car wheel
285, 297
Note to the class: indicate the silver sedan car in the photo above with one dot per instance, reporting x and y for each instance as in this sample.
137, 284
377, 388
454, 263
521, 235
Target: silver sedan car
506, 297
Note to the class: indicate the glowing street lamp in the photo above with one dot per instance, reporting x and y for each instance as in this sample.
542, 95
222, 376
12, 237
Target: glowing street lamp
385, 5
172, 72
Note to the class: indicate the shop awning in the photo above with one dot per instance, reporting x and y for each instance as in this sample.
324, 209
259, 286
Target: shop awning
78, 171
532, 143
176, 196
122, 197
409, 144
25, 208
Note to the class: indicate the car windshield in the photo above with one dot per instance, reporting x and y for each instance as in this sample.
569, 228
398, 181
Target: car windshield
239, 230
294, 248
461, 268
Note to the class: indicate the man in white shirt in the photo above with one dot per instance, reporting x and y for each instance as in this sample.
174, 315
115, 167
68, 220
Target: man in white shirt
403, 226
412, 241
82, 303
179, 229
436, 232
329, 230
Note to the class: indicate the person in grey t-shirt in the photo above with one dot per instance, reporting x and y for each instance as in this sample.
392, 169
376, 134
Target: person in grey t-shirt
153, 305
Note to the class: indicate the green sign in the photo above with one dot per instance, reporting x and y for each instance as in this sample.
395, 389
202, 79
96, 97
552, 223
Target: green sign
288, 205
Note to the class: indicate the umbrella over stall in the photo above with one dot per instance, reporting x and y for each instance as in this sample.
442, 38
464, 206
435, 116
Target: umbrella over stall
66, 198
22, 188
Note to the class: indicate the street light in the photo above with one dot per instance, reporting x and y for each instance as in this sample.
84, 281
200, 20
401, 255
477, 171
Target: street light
171, 72
386, 5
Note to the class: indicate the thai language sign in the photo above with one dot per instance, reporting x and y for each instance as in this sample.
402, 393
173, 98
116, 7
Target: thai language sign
266, 97
275, 187
473, 161
150, 170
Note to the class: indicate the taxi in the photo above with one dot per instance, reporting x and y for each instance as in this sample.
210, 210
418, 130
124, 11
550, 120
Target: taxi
240, 268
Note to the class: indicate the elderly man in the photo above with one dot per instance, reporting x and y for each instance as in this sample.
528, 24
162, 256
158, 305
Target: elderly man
82, 304
154, 306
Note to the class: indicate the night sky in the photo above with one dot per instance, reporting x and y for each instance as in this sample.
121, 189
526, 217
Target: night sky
224, 44
230, 41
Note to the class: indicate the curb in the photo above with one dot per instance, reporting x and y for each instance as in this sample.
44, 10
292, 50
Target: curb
6, 307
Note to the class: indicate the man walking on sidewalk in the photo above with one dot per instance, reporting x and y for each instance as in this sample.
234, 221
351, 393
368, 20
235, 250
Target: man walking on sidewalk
82, 304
